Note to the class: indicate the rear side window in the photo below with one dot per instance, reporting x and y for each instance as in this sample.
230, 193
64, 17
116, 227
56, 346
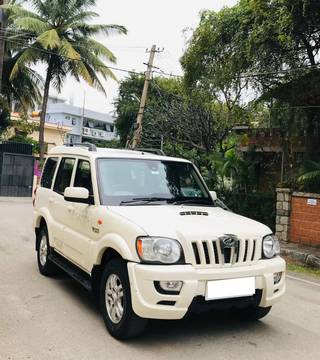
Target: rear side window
64, 174
48, 172
83, 176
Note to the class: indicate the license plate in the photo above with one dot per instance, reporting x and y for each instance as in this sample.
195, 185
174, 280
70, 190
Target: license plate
231, 288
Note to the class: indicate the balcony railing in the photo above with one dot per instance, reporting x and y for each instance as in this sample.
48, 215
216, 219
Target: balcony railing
98, 134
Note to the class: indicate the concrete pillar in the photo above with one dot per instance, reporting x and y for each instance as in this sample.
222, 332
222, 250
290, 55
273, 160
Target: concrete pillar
283, 213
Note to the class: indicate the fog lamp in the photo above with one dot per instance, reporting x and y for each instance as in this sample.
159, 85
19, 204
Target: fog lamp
277, 277
174, 286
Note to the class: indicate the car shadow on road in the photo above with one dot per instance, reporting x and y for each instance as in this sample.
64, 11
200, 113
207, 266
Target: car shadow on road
197, 327
212, 325
77, 293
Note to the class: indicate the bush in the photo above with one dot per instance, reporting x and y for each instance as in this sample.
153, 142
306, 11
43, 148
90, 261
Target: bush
257, 206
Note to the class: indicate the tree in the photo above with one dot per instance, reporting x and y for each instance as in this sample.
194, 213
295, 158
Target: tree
161, 91
214, 60
4, 115
266, 49
60, 35
23, 89
186, 124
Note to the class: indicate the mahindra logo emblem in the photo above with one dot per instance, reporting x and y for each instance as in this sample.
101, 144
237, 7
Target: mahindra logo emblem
229, 242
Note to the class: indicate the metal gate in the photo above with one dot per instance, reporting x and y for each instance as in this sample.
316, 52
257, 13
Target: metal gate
16, 174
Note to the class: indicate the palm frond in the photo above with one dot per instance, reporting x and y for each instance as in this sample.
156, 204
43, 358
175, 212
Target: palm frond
32, 24
67, 50
17, 11
96, 48
49, 39
26, 57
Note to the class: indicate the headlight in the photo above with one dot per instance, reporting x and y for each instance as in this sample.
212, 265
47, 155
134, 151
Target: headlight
159, 250
270, 246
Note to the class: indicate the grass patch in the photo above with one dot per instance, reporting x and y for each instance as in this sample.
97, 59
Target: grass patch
302, 269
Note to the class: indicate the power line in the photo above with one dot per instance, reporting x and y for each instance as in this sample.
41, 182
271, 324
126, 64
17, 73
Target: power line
73, 59
24, 38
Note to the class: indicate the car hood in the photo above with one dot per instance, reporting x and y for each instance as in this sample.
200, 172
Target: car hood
192, 222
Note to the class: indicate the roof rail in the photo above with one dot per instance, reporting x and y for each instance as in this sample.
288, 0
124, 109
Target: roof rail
91, 147
151, 150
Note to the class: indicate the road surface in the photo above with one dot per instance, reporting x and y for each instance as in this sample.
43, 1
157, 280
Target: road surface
42, 318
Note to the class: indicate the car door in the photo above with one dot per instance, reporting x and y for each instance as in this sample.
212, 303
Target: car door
60, 209
44, 195
82, 226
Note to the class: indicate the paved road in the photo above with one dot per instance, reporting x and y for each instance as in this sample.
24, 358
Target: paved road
43, 318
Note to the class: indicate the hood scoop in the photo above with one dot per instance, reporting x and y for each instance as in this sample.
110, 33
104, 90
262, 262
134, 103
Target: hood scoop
197, 213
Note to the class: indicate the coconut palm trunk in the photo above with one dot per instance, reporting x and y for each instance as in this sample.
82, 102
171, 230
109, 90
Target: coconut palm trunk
44, 109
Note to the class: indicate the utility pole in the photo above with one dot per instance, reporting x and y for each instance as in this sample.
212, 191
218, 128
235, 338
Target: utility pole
82, 115
2, 41
138, 129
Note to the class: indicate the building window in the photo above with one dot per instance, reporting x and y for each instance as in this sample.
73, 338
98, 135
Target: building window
74, 121
67, 117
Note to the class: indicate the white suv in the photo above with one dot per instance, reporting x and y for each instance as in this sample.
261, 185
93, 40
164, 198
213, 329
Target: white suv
144, 232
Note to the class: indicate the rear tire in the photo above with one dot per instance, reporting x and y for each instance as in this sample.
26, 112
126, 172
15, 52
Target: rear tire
46, 267
115, 302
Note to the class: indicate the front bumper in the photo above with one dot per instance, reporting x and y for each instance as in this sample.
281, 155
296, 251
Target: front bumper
145, 298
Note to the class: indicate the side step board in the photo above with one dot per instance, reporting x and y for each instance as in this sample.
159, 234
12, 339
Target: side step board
72, 270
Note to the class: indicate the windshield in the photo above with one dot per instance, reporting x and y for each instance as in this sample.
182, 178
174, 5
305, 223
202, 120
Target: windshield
124, 181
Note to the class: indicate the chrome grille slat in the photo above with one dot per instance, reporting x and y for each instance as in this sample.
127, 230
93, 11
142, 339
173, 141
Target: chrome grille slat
242, 247
219, 251
201, 252
249, 252
209, 252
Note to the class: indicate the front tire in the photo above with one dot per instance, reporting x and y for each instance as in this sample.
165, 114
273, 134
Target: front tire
46, 267
115, 302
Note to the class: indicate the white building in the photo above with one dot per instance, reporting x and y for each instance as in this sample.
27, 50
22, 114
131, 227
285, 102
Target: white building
85, 124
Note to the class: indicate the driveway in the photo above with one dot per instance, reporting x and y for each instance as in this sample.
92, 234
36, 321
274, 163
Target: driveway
43, 318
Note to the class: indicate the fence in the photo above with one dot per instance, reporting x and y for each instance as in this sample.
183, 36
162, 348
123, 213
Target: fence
298, 217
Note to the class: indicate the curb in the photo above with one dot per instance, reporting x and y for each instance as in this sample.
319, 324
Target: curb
303, 257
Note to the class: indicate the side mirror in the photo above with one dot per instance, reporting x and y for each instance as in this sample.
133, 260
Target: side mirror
77, 195
214, 196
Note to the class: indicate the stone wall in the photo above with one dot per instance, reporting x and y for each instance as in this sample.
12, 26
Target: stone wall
283, 213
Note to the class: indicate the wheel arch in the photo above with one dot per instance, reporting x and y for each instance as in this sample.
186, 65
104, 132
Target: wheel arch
106, 254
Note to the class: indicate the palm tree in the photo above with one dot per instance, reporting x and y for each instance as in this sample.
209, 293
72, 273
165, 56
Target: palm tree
59, 34
24, 88
310, 176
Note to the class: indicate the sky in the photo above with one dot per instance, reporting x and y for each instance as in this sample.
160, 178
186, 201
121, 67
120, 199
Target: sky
148, 22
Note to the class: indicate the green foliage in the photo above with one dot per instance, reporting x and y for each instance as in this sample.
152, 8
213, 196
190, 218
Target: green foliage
26, 140
260, 45
24, 127
161, 93
59, 33
111, 144
309, 179
4, 115
258, 206
24, 88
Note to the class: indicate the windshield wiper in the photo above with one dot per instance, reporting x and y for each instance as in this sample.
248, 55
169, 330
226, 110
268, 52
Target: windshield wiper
144, 200
193, 201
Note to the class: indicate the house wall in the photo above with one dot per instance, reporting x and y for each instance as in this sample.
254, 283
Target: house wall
52, 136
305, 218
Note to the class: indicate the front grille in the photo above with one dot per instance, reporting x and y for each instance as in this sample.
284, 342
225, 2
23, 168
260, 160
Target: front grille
210, 252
